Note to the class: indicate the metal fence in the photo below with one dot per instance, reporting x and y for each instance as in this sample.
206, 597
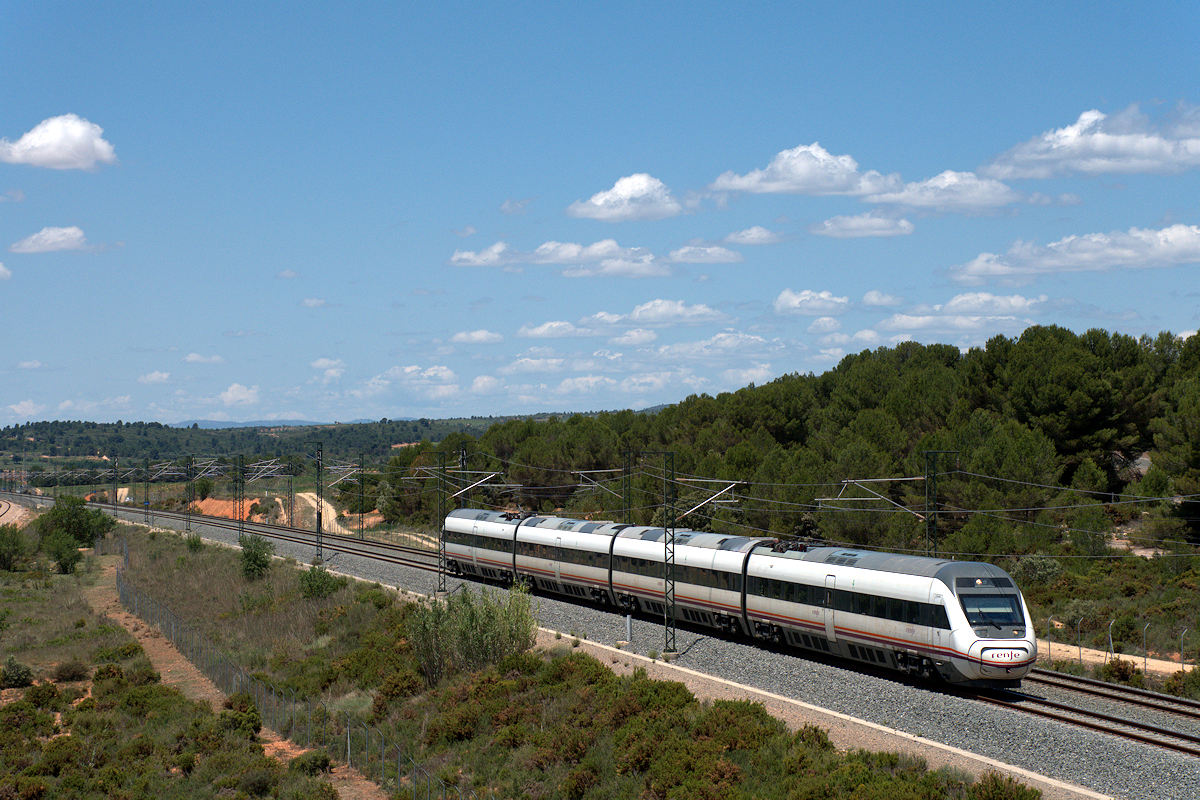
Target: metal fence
304, 721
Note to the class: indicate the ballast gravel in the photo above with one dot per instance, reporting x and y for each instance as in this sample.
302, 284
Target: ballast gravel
1097, 761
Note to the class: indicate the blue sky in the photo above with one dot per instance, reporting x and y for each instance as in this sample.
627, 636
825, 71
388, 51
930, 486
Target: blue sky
335, 212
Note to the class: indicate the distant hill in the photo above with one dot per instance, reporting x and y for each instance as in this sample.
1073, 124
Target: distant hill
215, 424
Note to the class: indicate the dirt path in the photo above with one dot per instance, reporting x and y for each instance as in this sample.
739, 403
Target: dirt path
1060, 651
177, 671
329, 517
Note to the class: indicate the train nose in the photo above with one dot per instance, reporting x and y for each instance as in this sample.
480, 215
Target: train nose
1002, 659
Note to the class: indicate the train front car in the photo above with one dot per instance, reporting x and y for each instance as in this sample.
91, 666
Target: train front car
991, 640
963, 621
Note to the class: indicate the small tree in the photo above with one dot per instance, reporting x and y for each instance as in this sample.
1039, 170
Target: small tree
63, 549
71, 515
256, 556
204, 487
12, 547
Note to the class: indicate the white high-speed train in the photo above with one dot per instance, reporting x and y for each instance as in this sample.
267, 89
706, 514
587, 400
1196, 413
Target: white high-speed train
961, 620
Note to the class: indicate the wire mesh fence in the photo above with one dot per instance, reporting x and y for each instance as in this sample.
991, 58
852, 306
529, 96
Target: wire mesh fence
306, 722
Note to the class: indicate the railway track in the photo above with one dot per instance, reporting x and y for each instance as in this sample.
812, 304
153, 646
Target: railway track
1130, 695
1122, 727
402, 555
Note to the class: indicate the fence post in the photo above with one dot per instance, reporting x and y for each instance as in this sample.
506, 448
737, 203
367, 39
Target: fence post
1145, 652
1111, 652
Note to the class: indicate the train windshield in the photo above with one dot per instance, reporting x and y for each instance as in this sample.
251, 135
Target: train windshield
1001, 610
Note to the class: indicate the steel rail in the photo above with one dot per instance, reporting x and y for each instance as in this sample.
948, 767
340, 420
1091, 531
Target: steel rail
1125, 694
1141, 732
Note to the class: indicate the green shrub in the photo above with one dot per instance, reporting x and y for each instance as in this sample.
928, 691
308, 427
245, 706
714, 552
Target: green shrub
994, 787
194, 542
312, 763
12, 547
44, 695
72, 670
15, 675
1184, 683
71, 516
470, 630
108, 672
256, 556
241, 715
258, 781
61, 547
319, 582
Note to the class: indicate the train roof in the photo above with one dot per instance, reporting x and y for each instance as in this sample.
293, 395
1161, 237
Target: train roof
898, 563
684, 536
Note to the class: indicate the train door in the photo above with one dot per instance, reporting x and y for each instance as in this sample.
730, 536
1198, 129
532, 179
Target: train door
558, 555
474, 547
830, 585
937, 600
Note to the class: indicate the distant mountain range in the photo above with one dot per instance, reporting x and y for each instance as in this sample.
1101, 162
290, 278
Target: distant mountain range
263, 423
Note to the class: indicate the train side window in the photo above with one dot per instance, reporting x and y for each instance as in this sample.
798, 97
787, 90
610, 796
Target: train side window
912, 612
895, 609
940, 620
862, 603
879, 607
844, 600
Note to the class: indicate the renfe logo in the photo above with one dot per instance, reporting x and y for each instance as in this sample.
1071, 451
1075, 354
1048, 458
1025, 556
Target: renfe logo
1004, 656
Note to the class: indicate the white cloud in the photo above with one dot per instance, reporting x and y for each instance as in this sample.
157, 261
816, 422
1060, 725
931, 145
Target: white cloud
287, 274
602, 258
239, 395
313, 302
865, 336
514, 206
944, 322
665, 312
755, 235
481, 336
12, 196
555, 329
433, 383
26, 408
464, 232
48, 240
485, 384
5, 272
824, 325
196, 358
635, 337
490, 257
64, 142
862, 225
758, 373
985, 303
877, 298
331, 368
35, 364
585, 384
807, 169
1137, 248
643, 265
659, 380
155, 377
526, 364
1097, 143
810, 302
638, 196
720, 345
571, 253
702, 254
950, 191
